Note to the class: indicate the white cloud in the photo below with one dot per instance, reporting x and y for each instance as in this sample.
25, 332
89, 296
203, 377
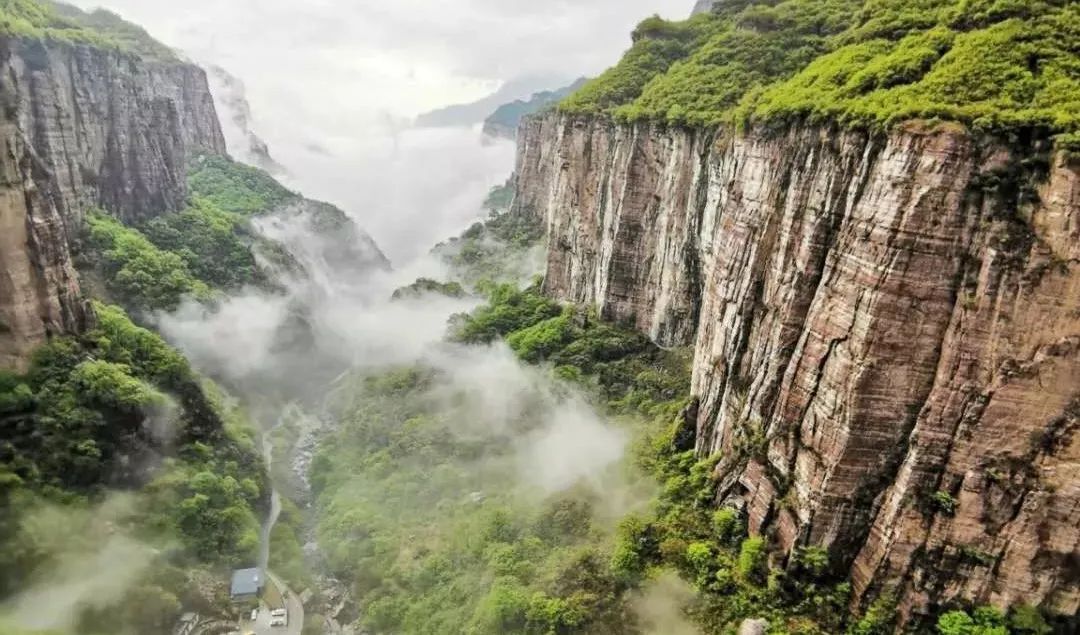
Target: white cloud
331, 81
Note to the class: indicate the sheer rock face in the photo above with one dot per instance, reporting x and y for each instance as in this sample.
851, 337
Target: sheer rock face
83, 127
886, 333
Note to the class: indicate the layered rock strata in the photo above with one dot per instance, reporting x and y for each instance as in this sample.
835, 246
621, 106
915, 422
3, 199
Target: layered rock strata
886, 333
83, 127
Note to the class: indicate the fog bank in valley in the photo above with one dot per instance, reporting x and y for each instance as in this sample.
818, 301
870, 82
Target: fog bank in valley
332, 86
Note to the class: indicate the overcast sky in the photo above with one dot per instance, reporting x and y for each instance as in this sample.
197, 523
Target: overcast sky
331, 82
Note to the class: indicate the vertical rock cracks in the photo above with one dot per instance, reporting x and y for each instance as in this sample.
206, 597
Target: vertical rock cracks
876, 319
83, 127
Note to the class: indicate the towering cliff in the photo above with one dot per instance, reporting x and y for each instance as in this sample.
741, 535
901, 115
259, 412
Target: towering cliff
886, 331
84, 126
864, 217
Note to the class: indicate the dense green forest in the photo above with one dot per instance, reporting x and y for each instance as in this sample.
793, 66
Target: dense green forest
435, 529
422, 507
113, 446
995, 65
112, 443
200, 252
452, 495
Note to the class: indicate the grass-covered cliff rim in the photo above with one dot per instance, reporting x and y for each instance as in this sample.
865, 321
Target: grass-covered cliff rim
995, 66
45, 20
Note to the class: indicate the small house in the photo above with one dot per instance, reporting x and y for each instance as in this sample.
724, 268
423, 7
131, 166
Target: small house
247, 584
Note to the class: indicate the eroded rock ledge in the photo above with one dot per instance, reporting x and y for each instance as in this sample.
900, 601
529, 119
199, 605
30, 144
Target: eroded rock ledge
886, 333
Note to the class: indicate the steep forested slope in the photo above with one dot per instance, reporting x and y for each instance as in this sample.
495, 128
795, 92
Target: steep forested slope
130, 484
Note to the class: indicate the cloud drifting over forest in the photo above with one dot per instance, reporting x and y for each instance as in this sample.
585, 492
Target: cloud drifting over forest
333, 85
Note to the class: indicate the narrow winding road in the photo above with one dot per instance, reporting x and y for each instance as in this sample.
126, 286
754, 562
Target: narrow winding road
293, 604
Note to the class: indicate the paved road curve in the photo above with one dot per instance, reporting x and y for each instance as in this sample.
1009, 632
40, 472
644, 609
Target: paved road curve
292, 604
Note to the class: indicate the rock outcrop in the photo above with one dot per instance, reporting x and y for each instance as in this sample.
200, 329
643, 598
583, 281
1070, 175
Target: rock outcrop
886, 333
703, 6
83, 127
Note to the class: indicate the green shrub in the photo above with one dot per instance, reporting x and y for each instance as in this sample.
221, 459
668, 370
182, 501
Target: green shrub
813, 559
986, 621
879, 618
632, 546
752, 559
699, 555
944, 502
727, 525
1026, 619
15, 394
504, 610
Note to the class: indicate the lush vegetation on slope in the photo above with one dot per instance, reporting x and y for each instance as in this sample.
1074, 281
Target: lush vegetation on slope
55, 21
432, 524
506, 246
986, 620
214, 244
234, 187
426, 286
94, 417
992, 64
426, 514
207, 247
657, 45
242, 192
116, 414
139, 273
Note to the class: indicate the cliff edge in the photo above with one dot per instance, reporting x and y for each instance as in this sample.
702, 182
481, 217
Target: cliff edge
885, 327
864, 217
83, 127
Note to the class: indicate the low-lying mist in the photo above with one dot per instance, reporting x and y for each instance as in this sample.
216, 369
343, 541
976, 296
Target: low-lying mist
332, 86
398, 438
329, 320
87, 560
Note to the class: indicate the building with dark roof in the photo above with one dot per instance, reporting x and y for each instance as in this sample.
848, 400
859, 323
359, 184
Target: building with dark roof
247, 584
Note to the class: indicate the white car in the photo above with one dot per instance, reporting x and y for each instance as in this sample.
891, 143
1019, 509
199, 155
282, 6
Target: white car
278, 613
254, 614
277, 621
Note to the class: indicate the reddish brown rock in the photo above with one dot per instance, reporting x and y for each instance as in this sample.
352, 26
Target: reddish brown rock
875, 320
83, 127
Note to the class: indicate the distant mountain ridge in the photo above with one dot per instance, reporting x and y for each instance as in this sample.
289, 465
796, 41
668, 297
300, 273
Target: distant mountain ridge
503, 123
464, 115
